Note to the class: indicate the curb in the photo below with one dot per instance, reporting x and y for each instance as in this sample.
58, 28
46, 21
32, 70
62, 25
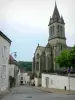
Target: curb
58, 92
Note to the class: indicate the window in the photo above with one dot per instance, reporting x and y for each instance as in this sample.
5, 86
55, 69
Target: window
4, 52
21, 78
61, 30
58, 28
52, 82
61, 47
53, 29
3, 71
37, 55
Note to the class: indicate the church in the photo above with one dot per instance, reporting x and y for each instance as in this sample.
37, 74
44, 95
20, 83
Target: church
44, 57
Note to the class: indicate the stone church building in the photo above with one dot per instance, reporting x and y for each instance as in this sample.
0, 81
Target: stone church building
44, 57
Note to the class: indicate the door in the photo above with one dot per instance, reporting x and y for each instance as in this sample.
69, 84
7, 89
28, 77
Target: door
47, 82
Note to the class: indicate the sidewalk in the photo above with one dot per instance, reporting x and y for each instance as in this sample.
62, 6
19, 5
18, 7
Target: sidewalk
4, 93
58, 91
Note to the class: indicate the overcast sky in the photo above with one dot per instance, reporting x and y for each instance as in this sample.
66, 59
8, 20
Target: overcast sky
25, 22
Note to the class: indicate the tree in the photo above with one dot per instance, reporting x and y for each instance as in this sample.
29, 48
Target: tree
72, 57
25, 65
64, 59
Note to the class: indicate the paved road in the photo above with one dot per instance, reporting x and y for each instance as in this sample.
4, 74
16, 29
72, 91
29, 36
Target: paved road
31, 93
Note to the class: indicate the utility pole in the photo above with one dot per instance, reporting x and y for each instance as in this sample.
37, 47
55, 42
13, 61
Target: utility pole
69, 78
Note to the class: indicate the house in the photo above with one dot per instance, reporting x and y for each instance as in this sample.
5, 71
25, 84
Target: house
14, 73
25, 77
5, 43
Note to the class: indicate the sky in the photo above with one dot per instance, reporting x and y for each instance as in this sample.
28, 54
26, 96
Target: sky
25, 22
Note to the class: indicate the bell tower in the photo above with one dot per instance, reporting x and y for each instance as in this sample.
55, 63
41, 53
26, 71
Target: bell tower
57, 38
56, 27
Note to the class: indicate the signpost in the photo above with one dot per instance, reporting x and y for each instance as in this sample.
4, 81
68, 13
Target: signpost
69, 78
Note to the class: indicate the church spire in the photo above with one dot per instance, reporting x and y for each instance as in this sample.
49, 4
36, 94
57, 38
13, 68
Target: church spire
56, 16
55, 2
62, 20
56, 12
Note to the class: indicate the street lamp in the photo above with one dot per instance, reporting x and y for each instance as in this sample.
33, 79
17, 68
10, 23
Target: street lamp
15, 54
10, 77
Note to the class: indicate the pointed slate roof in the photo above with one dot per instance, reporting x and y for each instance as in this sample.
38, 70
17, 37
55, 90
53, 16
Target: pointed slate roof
56, 16
48, 45
62, 20
56, 12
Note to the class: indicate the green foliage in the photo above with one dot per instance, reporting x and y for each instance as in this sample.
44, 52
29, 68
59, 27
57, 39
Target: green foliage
63, 59
25, 65
66, 58
72, 57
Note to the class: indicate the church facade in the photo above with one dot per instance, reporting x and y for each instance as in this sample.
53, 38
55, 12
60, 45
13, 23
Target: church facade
44, 57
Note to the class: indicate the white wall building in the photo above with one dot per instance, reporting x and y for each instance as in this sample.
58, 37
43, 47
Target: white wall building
19, 78
5, 43
58, 82
37, 81
25, 78
14, 72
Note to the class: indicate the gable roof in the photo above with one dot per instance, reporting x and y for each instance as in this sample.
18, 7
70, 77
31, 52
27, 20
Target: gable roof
22, 70
5, 37
41, 48
12, 60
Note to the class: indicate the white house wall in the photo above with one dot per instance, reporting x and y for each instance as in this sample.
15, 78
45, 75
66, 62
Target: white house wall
19, 77
26, 78
11, 70
37, 81
58, 82
4, 58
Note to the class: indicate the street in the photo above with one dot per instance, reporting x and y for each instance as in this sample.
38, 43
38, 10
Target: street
31, 93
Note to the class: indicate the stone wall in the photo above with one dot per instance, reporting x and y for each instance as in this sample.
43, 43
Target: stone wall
58, 82
37, 81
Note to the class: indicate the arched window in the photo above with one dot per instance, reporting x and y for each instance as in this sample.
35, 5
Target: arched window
50, 31
4, 52
37, 55
53, 29
3, 71
61, 30
58, 28
61, 47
